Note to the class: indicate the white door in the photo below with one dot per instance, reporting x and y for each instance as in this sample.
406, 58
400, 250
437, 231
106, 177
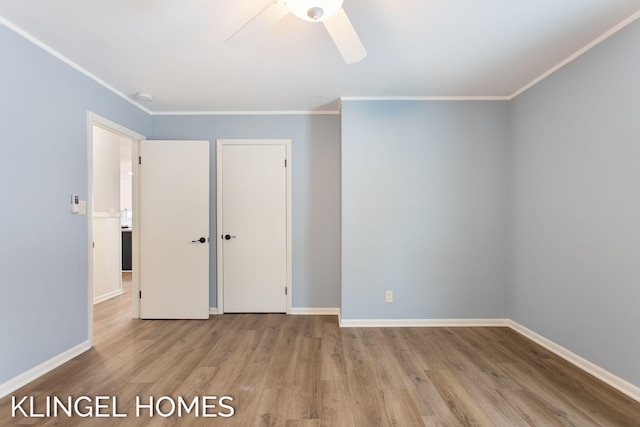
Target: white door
174, 229
253, 228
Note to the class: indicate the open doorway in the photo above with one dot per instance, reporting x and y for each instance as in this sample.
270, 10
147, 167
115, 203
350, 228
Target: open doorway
108, 213
112, 260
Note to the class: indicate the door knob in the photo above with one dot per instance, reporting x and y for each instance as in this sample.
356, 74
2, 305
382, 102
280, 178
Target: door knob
229, 237
201, 240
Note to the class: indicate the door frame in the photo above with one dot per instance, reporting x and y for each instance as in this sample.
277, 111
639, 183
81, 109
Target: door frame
99, 121
219, 264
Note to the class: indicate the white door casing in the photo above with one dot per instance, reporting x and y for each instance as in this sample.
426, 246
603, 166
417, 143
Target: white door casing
174, 214
254, 210
92, 121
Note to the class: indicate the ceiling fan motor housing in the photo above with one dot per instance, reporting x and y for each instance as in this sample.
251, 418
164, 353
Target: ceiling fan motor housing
315, 13
314, 10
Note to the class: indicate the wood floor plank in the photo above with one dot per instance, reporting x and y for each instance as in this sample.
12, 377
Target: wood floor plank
475, 358
407, 348
531, 408
486, 396
307, 382
332, 356
271, 409
461, 405
546, 393
426, 343
400, 408
488, 339
367, 400
282, 368
448, 421
302, 423
336, 405
354, 347
232, 367
605, 405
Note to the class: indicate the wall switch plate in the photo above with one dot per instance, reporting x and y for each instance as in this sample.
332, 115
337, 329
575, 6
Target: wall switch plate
83, 207
388, 296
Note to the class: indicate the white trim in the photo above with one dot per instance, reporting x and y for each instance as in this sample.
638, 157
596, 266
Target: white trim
107, 296
219, 249
113, 127
106, 214
419, 323
289, 227
577, 54
244, 113
38, 371
213, 310
69, 62
602, 374
136, 227
99, 121
425, 98
313, 311
91, 120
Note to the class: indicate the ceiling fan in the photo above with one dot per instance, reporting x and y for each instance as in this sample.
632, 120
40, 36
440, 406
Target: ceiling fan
329, 12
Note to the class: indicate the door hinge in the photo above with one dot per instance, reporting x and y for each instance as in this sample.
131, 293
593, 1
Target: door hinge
286, 290
140, 295
285, 163
139, 160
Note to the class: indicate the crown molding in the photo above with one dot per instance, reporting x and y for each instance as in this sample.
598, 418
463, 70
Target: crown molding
244, 113
577, 54
69, 62
424, 98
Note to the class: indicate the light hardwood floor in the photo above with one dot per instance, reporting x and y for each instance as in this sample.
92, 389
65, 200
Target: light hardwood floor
305, 371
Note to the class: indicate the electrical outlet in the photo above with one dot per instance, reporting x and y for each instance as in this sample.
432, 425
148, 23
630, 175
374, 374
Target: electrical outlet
388, 296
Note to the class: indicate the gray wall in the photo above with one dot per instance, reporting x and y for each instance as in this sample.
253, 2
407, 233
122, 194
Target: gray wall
575, 206
43, 160
424, 209
315, 191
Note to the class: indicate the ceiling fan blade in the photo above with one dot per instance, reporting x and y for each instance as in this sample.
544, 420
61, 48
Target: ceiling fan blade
258, 26
345, 37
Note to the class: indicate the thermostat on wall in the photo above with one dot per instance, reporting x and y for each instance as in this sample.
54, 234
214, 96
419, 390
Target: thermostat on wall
75, 203
78, 206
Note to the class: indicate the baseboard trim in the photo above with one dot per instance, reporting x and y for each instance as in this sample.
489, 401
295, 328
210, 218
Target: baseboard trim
38, 371
313, 311
107, 296
310, 311
602, 374
419, 323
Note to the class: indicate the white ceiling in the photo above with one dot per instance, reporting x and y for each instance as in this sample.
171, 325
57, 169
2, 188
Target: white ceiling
174, 49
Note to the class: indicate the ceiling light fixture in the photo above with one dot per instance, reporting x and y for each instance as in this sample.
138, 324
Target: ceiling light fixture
314, 10
143, 96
